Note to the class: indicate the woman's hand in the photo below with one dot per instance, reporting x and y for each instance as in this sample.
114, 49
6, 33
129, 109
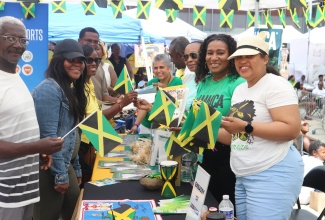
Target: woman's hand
133, 130
233, 125
79, 180
176, 129
61, 188
46, 161
143, 105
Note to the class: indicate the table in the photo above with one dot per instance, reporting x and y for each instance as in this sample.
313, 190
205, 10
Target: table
133, 190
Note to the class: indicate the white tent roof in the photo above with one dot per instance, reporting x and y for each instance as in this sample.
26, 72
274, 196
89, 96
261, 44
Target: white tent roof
289, 33
157, 25
316, 35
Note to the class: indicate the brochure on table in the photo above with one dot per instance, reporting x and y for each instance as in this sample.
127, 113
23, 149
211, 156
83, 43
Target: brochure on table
158, 146
198, 195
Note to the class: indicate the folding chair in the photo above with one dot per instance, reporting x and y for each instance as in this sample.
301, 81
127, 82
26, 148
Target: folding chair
314, 179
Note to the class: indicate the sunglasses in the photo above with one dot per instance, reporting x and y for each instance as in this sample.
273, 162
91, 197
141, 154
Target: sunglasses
192, 55
79, 60
90, 60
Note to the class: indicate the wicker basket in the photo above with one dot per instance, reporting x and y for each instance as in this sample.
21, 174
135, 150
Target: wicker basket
151, 183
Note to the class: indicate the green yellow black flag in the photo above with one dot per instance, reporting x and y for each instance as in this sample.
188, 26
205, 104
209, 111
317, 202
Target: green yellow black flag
251, 19
268, 20
117, 8
294, 17
206, 125
101, 3
162, 110
319, 16
28, 9
282, 17
100, 132
89, 8
169, 4
143, 9
199, 15
308, 21
171, 15
123, 84
226, 17
2, 6
291, 4
173, 147
230, 4
59, 6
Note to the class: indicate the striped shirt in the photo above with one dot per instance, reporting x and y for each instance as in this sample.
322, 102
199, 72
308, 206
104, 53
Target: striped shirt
19, 178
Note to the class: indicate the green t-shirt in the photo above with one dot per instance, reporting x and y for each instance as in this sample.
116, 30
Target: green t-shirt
218, 94
175, 82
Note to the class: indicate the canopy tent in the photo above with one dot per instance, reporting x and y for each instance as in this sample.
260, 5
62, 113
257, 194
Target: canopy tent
157, 25
69, 24
307, 55
289, 33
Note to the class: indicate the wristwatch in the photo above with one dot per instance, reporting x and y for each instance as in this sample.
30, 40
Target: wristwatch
249, 128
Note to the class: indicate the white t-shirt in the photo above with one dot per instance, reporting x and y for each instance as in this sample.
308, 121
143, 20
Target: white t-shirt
107, 75
251, 154
318, 92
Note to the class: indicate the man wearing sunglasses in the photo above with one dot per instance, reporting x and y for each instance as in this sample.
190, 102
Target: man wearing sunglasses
20, 143
90, 36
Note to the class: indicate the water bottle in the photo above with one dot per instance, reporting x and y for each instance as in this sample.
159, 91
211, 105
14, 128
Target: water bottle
188, 160
226, 207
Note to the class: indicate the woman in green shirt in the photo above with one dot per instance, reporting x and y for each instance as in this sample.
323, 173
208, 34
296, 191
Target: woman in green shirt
162, 67
218, 79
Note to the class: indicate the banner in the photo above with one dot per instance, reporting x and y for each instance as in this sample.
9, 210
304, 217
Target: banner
274, 38
33, 62
151, 49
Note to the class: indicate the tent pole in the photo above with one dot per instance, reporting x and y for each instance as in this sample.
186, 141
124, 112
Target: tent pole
143, 45
256, 14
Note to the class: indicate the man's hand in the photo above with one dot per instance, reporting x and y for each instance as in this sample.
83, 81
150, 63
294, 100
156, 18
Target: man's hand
46, 161
62, 188
49, 145
143, 105
128, 98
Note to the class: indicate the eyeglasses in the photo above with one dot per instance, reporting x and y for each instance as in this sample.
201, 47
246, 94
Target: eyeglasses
12, 39
192, 55
79, 60
90, 60
91, 41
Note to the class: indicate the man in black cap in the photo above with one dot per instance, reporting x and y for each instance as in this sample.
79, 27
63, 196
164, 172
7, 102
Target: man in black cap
20, 145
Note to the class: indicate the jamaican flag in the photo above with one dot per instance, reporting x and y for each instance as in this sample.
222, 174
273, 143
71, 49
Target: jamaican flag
268, 20
199, 15
101, 3
282, 17
143, 9
89, 7
173, 147
59, 6
226, 17
291, 4
100, 132
206, 125
169, 4
123, 84
251, 18
163, 109
2, 6
28, 9
171, 15
230, 4
319, 16
294, 17
117, 8
309, 22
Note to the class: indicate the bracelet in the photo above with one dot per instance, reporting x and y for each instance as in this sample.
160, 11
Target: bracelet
120, 106
136, 125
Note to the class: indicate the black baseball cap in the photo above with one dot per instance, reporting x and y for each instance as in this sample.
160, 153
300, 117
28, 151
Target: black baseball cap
69, 48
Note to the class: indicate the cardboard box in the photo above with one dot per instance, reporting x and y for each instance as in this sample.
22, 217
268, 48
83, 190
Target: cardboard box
317, 201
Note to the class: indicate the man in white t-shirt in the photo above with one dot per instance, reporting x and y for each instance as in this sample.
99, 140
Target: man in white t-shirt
319, 91
320, 79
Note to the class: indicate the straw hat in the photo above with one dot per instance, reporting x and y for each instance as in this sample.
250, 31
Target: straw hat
252, 45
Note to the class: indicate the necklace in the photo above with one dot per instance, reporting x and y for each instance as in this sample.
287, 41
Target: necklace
214, 81
220, 78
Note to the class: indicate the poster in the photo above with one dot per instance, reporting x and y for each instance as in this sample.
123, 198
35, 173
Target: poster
274, 38
151, 49
33, 62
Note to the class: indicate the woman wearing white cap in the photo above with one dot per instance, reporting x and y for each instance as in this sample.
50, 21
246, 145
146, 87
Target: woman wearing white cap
263, 119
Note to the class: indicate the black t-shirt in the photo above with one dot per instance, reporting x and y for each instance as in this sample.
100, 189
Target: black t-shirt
118, 67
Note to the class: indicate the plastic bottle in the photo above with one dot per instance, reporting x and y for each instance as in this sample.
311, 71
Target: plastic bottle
226, 207
188, 160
